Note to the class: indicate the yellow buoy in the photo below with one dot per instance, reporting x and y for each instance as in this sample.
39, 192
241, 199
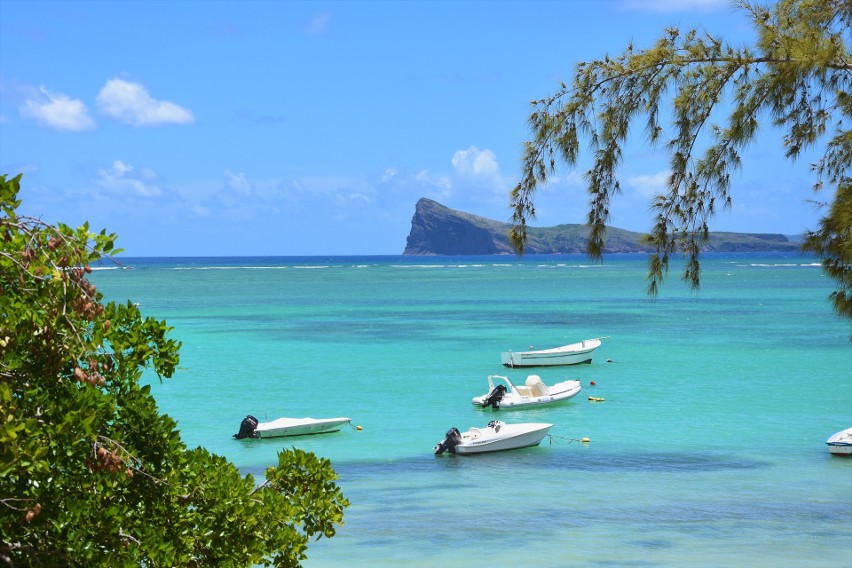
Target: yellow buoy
358, 428
585, 440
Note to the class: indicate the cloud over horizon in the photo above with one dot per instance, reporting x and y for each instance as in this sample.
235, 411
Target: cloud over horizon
120, 178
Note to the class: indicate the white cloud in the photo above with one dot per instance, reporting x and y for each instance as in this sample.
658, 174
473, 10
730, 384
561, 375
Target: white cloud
247, 197
474, 162
651, 185
439, 188
130, 103
556, 183
480, 168
120, 168
361, 197
58, 111
237, 182
419, 184
120, 178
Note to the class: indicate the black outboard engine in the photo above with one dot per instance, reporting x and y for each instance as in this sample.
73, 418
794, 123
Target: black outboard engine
494, 397
450, 442
247, 428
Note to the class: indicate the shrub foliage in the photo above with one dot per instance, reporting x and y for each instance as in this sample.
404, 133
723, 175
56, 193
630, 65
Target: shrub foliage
91, 474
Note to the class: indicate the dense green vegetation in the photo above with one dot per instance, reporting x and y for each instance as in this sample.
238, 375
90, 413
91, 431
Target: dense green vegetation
797, 77
91, 474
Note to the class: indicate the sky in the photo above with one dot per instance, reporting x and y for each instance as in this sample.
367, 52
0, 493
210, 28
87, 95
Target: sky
203, 128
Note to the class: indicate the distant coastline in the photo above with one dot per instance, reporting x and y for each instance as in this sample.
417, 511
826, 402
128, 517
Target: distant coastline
439, 230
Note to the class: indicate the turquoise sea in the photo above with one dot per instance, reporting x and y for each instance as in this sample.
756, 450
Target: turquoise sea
709, 449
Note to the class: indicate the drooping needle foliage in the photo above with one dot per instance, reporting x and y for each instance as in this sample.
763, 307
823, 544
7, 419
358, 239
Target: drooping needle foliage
797, 77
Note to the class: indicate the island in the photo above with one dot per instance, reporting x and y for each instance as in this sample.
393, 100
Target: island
437, 230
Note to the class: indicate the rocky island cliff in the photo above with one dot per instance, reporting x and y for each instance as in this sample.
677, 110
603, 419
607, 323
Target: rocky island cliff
439, 230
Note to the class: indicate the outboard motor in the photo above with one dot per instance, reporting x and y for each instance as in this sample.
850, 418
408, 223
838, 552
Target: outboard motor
494, 397
452, 439
247, 428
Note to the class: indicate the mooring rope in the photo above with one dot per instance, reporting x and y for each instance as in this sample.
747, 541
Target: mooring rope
559, 439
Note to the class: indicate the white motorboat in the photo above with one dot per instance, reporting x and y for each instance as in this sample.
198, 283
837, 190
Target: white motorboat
533, 393
251, 428
840, 444
496, 437
572, 354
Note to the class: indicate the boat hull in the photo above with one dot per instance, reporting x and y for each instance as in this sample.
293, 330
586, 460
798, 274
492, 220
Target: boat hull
840, 449
510, 437
288, 427
559, 392
840, 444
574, 354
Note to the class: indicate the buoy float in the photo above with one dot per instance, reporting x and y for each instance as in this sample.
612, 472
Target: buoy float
596, 399
585, 440
358, 428
593, 383
609, 360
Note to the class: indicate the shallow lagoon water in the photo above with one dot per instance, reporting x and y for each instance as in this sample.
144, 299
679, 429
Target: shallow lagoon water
709, 449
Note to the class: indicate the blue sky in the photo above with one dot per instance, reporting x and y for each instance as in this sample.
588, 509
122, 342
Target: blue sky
312, 128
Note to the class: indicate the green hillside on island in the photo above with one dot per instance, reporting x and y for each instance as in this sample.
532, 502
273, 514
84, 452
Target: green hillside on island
439, 230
